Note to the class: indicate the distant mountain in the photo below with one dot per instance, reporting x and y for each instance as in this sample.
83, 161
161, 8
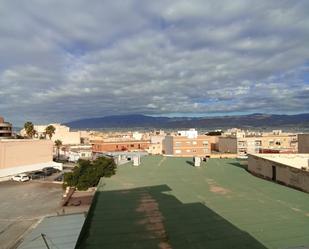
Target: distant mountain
137, 120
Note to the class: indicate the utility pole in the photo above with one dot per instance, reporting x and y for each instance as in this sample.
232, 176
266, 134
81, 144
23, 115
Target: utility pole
45, 241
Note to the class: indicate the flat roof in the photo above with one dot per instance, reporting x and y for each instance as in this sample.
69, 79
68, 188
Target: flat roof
167, 203
292, 160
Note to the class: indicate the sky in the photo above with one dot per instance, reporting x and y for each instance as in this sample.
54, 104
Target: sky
73, 59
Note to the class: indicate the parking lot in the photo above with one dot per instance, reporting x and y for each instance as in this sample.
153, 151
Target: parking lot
22, 205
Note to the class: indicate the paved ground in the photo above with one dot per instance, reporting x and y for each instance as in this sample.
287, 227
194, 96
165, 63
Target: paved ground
167, 203
22, 205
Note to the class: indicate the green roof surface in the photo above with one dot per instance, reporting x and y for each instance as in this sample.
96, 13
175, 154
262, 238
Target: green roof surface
167, 203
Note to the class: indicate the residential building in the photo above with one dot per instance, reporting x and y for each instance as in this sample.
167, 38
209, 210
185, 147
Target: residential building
23, 155
156, 144
187, 144
303, 143
243, 143
111, 145
5, 129
288, 169
62, 133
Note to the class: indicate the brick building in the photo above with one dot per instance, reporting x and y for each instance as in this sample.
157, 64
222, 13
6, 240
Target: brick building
125, 145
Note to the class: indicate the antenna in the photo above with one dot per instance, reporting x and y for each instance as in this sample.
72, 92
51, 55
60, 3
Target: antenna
45, 241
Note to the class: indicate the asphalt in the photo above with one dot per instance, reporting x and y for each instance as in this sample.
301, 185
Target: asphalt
22, 206
168, 203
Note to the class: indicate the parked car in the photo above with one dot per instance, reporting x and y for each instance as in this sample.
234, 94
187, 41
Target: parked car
37, 175
59, 178
21, 178
49, 171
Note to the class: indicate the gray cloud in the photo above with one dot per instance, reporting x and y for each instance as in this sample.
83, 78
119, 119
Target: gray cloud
67, 60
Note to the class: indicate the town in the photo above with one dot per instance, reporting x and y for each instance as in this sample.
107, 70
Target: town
41, 155
179, 124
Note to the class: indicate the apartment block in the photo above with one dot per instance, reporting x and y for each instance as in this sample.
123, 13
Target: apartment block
62, 133
242, 143
187, 144
5, 129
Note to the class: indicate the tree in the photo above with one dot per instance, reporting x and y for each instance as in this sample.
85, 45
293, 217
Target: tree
50, 130
88, 173
29, 129
58, 145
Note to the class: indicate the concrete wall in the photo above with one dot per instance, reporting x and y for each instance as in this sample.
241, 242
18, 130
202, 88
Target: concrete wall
168, 145
19, 154
227, 145
303, 143
287, 175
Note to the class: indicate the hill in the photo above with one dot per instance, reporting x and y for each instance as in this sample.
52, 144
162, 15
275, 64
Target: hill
138, 120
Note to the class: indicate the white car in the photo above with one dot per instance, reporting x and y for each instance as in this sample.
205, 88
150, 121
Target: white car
20, 178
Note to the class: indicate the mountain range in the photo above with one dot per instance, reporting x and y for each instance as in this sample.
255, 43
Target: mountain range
138, 120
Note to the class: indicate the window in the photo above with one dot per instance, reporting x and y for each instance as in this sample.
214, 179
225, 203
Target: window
188, 150
205, 142
194, 143
177, 143
177, 151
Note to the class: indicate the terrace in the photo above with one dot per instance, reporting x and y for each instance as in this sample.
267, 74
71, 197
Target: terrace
167, 203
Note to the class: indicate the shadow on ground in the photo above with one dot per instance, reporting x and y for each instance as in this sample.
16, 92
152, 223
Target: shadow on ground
190, 163
151, 217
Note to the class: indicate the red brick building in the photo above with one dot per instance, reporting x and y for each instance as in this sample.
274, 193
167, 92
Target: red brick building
110, 146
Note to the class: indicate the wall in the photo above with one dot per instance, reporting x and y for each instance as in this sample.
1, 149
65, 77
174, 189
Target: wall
102, 146
187, 147
155, 149
287, 175
23, 152
303, 143
168, 145
227, 145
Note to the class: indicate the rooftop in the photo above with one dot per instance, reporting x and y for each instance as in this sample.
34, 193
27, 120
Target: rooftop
167, 203
293, 160
60, 232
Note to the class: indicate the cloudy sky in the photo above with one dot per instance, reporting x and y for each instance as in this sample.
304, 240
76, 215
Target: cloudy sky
65, 60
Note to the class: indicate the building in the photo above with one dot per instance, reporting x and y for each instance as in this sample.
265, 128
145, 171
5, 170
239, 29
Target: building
243, 143
23, 155
187, 144
156, 144
99, 146
5, 129
167, 203
303, 143
61, 230
62, 133
288, 169
75, 154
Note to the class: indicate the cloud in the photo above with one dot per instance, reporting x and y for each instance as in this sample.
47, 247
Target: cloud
66, 60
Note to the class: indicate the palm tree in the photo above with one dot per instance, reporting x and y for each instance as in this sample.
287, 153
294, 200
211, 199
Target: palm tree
29, 129
50, 130
58, 144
